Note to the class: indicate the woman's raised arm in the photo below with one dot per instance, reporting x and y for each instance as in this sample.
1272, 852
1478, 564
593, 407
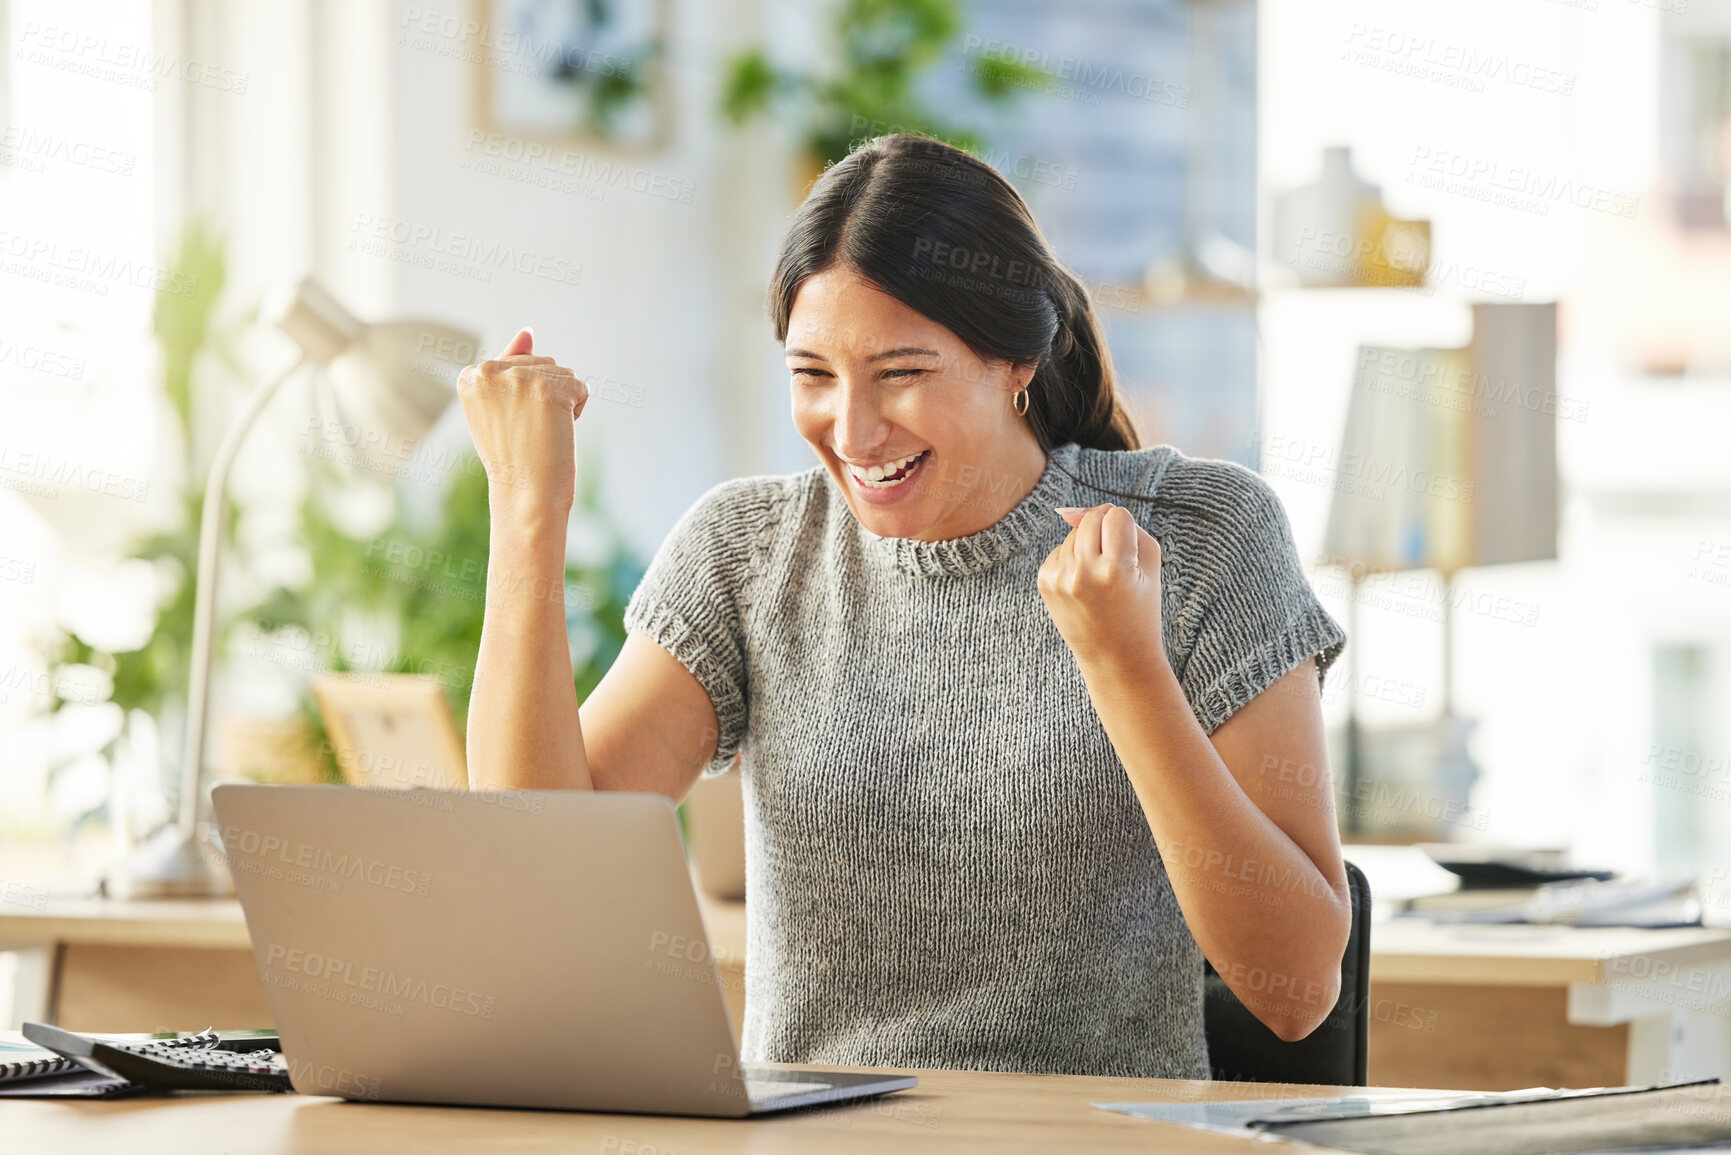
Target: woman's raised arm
652, 726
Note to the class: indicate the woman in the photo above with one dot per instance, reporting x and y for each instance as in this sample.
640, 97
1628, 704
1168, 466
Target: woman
1015, 758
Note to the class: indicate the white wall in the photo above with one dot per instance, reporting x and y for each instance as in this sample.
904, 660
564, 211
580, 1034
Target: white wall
668, 310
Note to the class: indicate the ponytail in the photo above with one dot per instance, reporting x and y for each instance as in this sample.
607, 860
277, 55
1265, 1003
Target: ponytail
1074, 395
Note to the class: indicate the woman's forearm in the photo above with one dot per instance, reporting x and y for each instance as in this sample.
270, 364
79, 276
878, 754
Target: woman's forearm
1258, 906
524, 731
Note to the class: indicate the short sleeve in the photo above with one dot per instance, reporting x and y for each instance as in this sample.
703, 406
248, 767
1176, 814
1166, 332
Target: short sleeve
1251, 615
691, 597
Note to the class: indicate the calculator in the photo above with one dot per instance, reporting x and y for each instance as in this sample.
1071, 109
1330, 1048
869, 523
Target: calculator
207, 1061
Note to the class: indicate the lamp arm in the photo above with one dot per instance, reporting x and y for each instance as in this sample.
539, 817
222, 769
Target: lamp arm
204, 602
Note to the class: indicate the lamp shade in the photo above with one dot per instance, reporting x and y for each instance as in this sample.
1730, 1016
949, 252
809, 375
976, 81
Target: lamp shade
1449, 455
389, 381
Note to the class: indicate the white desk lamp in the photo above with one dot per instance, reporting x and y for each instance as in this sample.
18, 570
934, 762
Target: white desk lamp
385, 383
1481, 422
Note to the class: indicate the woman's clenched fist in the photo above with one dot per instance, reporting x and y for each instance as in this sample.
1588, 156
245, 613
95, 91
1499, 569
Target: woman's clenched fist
520, 408
1101, 586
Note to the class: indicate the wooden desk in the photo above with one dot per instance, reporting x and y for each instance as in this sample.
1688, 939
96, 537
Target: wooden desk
1486, 1008
1503, 1007
948, 1111
96, 965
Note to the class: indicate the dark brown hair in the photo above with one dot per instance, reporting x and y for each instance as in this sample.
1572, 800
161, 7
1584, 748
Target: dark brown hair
943, 233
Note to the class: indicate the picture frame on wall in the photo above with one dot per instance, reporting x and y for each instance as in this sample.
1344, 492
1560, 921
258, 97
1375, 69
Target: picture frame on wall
575, 72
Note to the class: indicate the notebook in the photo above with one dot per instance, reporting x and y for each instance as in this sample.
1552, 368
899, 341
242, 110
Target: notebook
21, 1060
1616, 1119
1537, 1121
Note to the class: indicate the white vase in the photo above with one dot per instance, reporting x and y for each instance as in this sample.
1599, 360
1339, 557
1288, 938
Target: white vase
1316, 226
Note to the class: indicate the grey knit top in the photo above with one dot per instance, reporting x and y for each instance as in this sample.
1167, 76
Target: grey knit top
946, 865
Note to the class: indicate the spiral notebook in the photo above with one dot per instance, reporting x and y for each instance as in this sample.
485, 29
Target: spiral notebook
25, 1060
31, 1072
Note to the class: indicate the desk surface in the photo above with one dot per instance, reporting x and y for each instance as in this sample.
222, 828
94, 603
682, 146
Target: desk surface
948, 1111
1418, 951
1402, 950
98, 921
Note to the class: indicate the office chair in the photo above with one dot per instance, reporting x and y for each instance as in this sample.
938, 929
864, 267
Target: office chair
1241, 1048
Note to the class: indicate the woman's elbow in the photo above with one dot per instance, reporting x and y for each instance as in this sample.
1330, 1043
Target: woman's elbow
1313, 989
1304, 1014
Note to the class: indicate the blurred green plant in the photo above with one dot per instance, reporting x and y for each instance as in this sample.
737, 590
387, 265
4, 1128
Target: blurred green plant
148, 677
439, 624
438, 607
153, 677
883, 47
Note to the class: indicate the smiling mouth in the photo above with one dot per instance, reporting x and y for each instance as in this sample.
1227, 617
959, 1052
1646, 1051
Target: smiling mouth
890, 475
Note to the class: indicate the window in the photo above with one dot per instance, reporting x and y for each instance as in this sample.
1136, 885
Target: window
1699, 136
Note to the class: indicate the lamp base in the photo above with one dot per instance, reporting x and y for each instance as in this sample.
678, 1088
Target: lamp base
168, 865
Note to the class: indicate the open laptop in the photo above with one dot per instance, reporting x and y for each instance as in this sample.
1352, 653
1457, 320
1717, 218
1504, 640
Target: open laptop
512, 949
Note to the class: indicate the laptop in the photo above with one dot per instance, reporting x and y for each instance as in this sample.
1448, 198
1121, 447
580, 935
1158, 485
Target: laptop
509, 949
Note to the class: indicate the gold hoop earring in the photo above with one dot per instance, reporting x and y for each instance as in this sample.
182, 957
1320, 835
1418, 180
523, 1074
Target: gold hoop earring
1019, 402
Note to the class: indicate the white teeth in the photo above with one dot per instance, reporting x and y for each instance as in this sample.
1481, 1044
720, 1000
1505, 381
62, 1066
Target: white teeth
873, 476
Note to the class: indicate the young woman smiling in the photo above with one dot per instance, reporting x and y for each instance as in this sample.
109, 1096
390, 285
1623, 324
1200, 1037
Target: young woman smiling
1016, 758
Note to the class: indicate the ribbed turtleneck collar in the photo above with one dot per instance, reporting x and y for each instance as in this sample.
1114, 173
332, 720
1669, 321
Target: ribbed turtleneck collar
1008, 536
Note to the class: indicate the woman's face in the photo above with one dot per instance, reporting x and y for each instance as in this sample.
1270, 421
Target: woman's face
917, 431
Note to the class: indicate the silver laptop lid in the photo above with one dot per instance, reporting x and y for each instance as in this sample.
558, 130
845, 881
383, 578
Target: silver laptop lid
515, 949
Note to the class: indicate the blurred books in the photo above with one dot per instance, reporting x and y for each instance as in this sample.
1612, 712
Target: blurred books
1500, 885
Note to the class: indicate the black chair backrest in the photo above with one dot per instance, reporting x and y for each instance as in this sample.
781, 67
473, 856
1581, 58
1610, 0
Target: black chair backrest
1241, 1048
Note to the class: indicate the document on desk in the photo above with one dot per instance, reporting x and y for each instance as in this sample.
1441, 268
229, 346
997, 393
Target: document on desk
1242, 1116
1530, 1122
